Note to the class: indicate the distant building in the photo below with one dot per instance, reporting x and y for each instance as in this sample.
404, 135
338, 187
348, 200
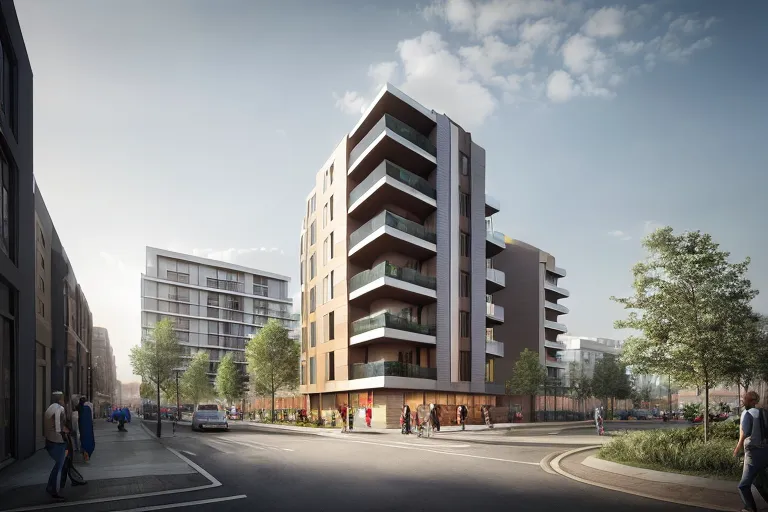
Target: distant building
587, 351
103, 370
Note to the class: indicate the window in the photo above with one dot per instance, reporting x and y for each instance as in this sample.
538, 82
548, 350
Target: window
312, 266
325, 181
5, 207
325, 290
464, 165
40, 236
312, 371
313, 233
312, 299
464, 324
489, 367
325, 215
331, 246
7, 82
464, 244
301, 244
325, 251
41, 284
260, 286
330, 326
464, 282
330, 366
302, 375
312, 334
42, 261
178, 277
40, 308
465, 365
312, 204
330, 208
464, 204
329, 291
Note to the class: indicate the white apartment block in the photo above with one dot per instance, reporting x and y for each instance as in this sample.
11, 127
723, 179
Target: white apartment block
215, 306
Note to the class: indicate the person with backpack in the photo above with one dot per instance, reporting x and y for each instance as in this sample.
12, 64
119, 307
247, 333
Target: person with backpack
753, 440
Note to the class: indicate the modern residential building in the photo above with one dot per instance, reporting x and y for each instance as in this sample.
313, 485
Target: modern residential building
531, 302
103, 370
215, 306
586, 351
395, 292
64, 321
18, 349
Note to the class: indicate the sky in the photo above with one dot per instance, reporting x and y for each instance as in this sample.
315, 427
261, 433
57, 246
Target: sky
198, 126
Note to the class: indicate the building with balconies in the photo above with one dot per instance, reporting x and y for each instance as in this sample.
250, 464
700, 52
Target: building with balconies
531, 300
215, 306
396, 285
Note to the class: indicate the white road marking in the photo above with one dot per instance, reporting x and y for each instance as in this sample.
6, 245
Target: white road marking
430, 445
188, 453
437, 451
214, 482
253, 444
184, 504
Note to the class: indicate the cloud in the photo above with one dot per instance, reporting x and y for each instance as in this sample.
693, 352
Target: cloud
233, 255
606, 22
501, 50
621, 235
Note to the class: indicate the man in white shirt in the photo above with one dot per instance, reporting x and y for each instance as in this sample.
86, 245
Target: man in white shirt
55, 427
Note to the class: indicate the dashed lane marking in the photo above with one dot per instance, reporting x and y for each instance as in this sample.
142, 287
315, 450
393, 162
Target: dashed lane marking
184, 504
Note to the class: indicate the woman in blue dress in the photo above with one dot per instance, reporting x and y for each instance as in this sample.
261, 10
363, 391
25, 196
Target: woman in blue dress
85, 420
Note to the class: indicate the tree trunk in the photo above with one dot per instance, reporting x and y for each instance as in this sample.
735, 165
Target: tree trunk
273, 406
706, 411
738, 402
533, 408
159, 423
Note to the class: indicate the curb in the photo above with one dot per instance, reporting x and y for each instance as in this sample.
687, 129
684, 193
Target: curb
555, 464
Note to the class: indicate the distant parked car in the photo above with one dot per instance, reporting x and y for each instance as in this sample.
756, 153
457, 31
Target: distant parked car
209, 416
640, 414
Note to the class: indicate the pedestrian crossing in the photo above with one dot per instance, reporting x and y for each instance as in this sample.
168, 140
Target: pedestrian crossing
233, 446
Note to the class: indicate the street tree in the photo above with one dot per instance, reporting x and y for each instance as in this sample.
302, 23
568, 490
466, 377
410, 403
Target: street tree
610, 380
273, 361
146, 390
580, 384
195, 385
688, 303
156, 358
528, 377
229, 381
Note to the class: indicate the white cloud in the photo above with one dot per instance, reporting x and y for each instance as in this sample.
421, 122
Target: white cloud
487, 17
484, 58
543, 31
606, 22
560, 86
382, 72
630, 48
621, 235
233, 255
350, 103
581, 55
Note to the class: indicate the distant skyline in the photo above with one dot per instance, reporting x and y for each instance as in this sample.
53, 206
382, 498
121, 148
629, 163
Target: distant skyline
198, 127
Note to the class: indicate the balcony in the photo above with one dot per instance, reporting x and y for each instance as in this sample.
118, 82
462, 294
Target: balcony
555, 362
391, 184
494, 348
558, 271
391, 139
555, 326
492, 205
554, 344
391, 369
556, 307
562, 292
388, 232
390, 327
494, 314
495, 242
494, 280
388, 281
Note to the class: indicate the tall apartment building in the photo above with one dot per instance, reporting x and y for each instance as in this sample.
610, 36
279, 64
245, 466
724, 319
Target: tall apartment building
103, 370
215, 306
587, 351
64, 321
531, 301
395, 291
17, 245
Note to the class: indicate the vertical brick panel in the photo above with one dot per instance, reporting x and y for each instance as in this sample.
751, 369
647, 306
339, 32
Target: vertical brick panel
443, 230
477, 220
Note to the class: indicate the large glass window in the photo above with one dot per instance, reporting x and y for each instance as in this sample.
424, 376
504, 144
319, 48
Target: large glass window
312, 370
6, 238
464, 324
464, 282
312, 334
464, 244
465, 365
464, 204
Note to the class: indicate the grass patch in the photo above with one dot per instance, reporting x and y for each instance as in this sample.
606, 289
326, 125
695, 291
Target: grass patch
679, 450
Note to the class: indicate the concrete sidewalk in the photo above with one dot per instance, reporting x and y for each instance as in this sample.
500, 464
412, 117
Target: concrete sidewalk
583, 466
123, 465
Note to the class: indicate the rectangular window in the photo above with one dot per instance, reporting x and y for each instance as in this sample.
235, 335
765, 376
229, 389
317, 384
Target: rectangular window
330, 174
313, 233
464, 204
301, 244
312, 334
312, 299
464, 244
489, 370
465, 365
40, 236
325, 290
312, 371
330, 287
177, 277
325, 215
464, 285
260, 286
330, 326
325, 181
330, 366
464, 166
312, 266
331, 246
330, 208
464, 324
5, 205
8, 84
312, 204
325, 251
40, 308
302, 375
41, 284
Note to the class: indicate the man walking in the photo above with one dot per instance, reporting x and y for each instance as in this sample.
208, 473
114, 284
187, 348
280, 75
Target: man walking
753, 439
55, 428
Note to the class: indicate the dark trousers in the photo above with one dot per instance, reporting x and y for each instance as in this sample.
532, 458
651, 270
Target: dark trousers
58, 452
755, 466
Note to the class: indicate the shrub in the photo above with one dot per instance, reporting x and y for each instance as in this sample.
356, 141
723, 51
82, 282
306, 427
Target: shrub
681, 450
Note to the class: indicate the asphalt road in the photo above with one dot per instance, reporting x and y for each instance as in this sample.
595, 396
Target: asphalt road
281, 471
610, 427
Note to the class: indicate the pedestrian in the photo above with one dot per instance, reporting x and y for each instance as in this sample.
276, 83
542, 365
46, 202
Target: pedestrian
343, 414
368, 415
598, 419
85, 428
461, 416
55, 444
74, 424
405, 420
753, 440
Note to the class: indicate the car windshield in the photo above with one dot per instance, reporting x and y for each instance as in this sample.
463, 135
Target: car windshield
207, 408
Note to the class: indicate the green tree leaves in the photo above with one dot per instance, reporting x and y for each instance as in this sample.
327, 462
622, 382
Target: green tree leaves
157, 356
229, 382
195, 385
527, 378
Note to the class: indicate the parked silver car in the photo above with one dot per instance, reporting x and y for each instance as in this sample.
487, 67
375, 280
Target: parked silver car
209, 417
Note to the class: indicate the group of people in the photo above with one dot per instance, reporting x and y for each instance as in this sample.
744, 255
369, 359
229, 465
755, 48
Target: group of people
423, 418
121, 417
347, 415
68, 430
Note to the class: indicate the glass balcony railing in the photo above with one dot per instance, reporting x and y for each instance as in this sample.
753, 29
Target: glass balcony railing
391, 369
386, 218
386, 269
393, 322
397, 126
387, 168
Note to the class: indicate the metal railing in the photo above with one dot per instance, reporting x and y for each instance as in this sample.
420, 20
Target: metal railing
391, 321
387, 168
391, 369
387, 269
386, 218
398, 127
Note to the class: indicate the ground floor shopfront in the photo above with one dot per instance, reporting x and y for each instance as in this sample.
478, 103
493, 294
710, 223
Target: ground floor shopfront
387, 405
